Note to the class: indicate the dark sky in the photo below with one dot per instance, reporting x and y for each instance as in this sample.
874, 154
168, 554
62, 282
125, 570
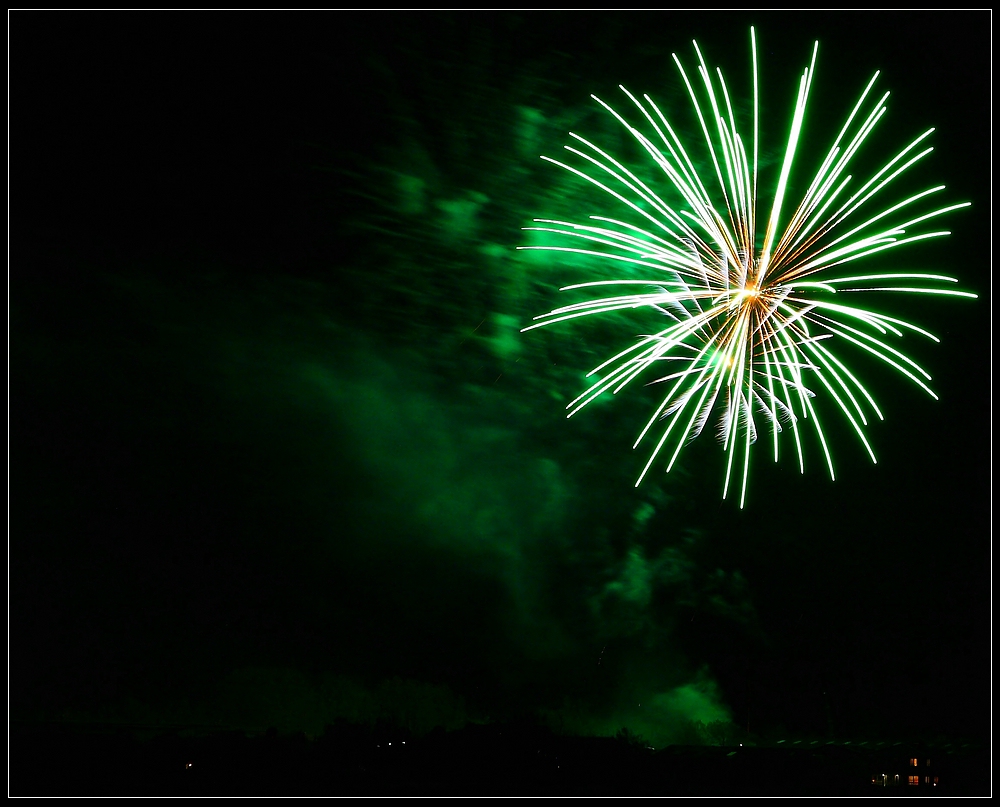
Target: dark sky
279, 454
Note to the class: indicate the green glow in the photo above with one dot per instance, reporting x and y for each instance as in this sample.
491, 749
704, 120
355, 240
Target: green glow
749, 328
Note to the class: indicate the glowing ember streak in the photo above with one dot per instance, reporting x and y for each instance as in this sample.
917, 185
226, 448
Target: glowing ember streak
752, 329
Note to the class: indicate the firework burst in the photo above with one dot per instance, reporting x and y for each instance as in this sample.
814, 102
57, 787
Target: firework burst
756, 309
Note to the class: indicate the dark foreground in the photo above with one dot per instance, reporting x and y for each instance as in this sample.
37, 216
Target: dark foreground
477, 760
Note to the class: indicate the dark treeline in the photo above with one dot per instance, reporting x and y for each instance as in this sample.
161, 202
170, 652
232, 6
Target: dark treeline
493, 759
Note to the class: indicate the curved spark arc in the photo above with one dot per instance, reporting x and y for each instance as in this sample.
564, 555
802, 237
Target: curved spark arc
751, 329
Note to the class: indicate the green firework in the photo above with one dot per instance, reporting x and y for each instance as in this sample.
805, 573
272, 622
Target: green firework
756, 298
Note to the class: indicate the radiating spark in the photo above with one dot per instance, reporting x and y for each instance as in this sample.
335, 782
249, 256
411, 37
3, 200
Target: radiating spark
751, 333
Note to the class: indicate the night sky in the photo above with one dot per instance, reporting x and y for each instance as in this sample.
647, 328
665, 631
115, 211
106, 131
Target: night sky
279, 454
